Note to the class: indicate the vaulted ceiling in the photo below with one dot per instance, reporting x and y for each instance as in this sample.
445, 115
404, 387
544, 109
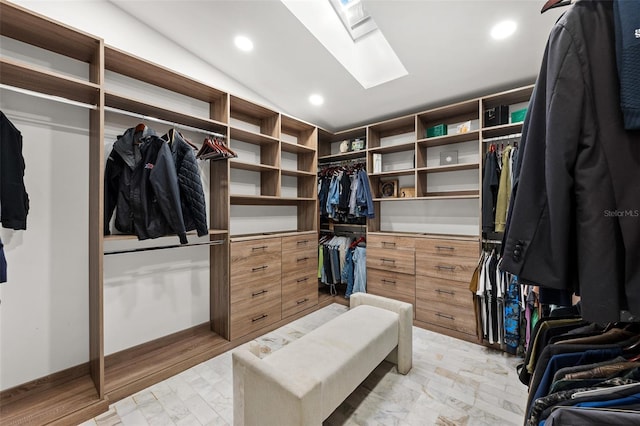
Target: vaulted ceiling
444, 45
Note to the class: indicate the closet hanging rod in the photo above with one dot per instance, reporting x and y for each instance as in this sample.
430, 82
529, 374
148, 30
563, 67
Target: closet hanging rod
492, 241
48, 97
161, 121
208, 243
503, 138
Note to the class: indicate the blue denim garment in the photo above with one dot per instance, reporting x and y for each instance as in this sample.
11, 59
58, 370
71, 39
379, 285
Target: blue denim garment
3, 264
347, 272
360, 270
363, 196
334, 196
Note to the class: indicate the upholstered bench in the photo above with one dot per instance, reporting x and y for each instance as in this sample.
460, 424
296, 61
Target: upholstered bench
303, 382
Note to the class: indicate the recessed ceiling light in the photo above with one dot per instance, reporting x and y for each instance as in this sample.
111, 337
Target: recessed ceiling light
243, 43
316, 99
503, 30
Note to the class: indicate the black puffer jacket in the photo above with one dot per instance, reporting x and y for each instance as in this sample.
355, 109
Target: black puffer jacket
194, 209
142, 186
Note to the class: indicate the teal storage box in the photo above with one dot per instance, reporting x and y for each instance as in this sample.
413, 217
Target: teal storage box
438, 130
518, 116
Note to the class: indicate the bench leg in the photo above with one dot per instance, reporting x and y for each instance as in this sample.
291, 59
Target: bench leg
402, 355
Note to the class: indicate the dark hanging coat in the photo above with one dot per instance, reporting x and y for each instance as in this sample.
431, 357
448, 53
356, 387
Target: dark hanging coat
575, 221
142, 186
194, 209
14, 200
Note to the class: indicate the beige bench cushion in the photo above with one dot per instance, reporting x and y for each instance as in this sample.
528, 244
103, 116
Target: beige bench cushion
340, 363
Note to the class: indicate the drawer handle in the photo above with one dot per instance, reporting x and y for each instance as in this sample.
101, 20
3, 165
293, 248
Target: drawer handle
388, 260
385, 281
449, 317
301, 280
387, 243
445, 248
259, 318
259, 248
300, 302
258, 293
446, 268
449, 292
303, 259
303, 242
259, 268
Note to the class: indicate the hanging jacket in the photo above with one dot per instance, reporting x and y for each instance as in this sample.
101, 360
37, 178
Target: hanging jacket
142, 186
14, 200
575, 219
194, 209
363, 196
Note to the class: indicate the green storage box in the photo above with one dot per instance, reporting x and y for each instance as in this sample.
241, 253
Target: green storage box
438, 130
518, 116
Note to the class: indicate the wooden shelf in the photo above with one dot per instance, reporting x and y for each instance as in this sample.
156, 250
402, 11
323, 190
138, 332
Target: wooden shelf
393, 173
25, 76
521, 94
251, 137
449, 168
410, 146
235, 164
286, 172
501, 130
136, 106
137, 68
457, 112
452, 195
296, 148
449, 139
343, 157
31, 28
250, 200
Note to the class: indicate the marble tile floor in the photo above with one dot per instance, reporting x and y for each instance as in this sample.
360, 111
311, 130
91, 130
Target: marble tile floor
452, 382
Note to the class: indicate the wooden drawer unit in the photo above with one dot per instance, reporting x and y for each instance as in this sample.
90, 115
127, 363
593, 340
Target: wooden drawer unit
299, 293
256, 260
304, 259
436, 290
248, 316
446, 316
449, 268
447, 248
401, 261
391, 242
255, 291
445, 303
299, 242
241, 250
392, 284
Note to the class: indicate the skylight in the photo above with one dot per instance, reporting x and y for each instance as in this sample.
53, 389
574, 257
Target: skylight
363, 51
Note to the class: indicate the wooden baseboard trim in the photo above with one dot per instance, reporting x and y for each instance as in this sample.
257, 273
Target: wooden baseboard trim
24, 390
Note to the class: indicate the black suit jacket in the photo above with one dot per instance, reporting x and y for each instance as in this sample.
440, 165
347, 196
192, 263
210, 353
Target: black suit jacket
575, 219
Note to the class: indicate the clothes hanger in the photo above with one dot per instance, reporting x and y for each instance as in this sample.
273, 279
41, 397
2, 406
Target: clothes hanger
140, 128
550, 4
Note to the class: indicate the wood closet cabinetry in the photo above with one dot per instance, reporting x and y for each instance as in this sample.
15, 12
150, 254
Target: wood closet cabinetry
443, 271
299, 273
255, 285
391, 267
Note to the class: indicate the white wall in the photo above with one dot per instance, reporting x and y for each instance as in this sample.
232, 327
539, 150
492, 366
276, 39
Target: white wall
44, 305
